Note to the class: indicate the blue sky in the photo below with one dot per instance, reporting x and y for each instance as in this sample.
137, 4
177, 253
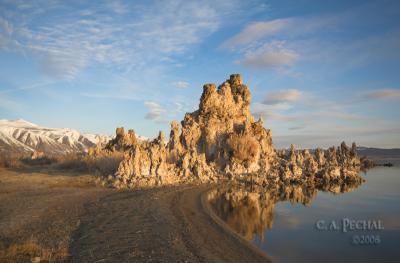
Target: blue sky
319, 71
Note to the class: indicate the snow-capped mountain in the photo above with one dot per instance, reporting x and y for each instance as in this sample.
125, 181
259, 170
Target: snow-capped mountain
23, 136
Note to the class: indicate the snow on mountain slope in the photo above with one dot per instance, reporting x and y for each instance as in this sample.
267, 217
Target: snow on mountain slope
23, 136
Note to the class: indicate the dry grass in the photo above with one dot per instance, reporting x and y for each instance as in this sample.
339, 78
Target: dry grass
19, 160
45, 160
72, 161
103, 165
106, 164
10, 160
31, 251
39, 212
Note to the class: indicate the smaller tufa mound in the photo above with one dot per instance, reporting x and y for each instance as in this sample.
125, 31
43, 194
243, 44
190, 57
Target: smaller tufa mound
340, 165
222, 140
122, 141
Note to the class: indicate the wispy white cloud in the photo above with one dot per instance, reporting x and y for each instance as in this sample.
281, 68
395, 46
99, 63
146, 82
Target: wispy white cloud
276, 104
292, 111
273, 112
28, 87
164, 111
319, 39
137, 35
382, 94
154, 110
276, 116
63, 64
255, 31
5, 26
261, 32
118, 7
180, 84
269, 56
283, 96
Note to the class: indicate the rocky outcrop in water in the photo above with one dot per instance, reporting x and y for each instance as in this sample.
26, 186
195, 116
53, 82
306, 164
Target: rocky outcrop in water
337, 164
222, 140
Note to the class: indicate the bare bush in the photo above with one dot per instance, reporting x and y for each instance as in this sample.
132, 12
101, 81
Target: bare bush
243, 148
44, 160
103, 164
19, 160
10, 160
72, 161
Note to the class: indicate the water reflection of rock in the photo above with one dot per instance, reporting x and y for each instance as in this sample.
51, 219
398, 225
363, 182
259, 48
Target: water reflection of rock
250, 213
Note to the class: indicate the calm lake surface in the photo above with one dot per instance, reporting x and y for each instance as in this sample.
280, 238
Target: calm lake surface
309, 224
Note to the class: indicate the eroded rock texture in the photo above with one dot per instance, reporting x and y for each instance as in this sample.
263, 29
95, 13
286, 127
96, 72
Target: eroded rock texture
222, 140
335, 164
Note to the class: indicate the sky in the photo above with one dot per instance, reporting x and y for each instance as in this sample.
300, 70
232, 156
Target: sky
320, 72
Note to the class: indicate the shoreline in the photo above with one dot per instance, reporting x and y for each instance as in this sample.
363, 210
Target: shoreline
217, 220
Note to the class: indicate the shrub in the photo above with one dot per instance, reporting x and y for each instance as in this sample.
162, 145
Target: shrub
10, 160
18, 160
72, 161
243, 148
44, 160
103, 164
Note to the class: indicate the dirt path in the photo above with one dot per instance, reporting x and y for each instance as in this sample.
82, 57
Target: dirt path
72, 222
38, 213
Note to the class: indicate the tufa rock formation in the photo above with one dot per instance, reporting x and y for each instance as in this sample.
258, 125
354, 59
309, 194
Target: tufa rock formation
122, 141
341, 164
222, 140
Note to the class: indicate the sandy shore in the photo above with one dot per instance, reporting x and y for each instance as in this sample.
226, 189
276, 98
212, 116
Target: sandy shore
68, 218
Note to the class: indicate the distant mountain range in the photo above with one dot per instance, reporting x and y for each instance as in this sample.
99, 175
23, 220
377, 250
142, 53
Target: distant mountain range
380, 155
370, 151
20, 136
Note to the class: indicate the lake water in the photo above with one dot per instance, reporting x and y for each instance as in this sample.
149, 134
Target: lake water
350, 223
